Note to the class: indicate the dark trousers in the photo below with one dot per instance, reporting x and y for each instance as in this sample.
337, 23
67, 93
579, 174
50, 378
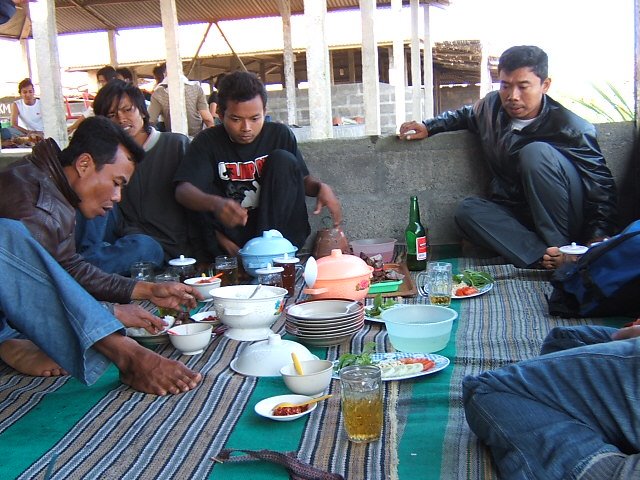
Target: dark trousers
551, 214
282, 203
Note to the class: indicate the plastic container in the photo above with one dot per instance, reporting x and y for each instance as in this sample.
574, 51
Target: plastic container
259, 252
375, 246
419, 328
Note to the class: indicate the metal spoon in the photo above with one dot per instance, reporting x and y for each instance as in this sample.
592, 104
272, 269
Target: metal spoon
308, 402
255, 291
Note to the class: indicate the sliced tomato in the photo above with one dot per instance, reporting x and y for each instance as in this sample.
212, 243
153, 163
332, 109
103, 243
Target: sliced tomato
426, 363
466, 291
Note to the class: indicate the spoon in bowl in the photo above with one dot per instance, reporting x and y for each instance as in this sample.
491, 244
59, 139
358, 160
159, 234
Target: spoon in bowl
254, 292
302, 404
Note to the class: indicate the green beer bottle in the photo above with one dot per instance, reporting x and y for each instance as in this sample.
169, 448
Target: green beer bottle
417, 239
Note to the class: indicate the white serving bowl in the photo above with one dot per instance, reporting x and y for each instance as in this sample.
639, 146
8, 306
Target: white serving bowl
316, 377
266, 358
248, 319
191, 338
204, 285
419, 328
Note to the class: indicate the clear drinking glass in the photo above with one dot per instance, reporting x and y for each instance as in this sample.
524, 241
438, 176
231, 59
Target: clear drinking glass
436, 283
167, 277
142, 271
361, 392
229, 268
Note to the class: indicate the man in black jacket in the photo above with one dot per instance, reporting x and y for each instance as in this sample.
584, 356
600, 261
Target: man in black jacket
550, 184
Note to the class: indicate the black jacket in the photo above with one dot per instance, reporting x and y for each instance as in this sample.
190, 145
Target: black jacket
571, 135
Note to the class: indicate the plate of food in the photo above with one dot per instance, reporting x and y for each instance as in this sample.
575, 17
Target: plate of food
394, 366
143, 337
373, 313
471, 283
208, 316
265, 408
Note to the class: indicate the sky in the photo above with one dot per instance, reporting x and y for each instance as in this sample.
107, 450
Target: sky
588, 41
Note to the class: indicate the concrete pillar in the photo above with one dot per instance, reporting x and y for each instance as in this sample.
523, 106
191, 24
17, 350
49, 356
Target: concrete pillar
315, 12
428, 66
485, 71
26, 58
288, 61
352, 66
636, 9
45, 35
396, 71
370, 80
416, 91
174, 67
113, 51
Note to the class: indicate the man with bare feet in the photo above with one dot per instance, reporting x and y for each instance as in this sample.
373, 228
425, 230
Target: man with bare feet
549, 184
43, 191
50, 326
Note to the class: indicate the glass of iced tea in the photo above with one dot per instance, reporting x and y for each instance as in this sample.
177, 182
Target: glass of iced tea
361, 391
439, 283
167, 277
228, 266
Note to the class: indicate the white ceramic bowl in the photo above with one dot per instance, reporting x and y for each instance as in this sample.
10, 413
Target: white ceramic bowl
204, 285
191, 338
264, 407
419, 328
316, 377
248, 319
266, 358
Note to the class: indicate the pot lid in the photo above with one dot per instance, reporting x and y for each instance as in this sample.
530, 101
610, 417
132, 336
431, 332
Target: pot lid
267, 357
286, 258
338, 265
182, 261
573, 249
269, 269
270, 243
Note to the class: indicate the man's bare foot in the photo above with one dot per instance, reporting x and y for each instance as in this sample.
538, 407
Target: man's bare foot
144, 370
552, 258
25, 357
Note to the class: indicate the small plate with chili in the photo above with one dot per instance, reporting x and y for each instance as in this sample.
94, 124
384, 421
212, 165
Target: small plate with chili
208, 316
264, 407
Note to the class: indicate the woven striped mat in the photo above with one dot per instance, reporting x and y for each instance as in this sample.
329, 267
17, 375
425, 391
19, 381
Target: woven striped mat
58, 428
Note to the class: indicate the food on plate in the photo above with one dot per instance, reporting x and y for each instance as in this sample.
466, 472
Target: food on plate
473, 278
469, 282
404, 367
206, 280
465, 290
379, 305
380, 274
210, 318
363, 358
285, 411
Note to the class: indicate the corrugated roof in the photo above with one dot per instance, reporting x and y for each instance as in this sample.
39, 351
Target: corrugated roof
75, 16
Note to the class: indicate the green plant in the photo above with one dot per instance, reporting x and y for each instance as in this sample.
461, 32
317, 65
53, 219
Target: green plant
611, 106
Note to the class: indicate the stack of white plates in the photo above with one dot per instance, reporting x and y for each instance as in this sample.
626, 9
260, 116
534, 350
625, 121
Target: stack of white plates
323, 323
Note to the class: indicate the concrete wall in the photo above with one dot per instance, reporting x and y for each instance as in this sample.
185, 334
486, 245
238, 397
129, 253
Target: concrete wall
375, 176
347, 101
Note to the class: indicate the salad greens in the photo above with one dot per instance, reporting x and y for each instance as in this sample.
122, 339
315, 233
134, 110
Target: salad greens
363, 358
379, 305
473, 278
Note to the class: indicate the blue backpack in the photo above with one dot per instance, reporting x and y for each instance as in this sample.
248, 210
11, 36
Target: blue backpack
603, 282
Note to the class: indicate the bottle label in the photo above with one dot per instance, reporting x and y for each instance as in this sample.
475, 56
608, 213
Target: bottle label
421, 248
